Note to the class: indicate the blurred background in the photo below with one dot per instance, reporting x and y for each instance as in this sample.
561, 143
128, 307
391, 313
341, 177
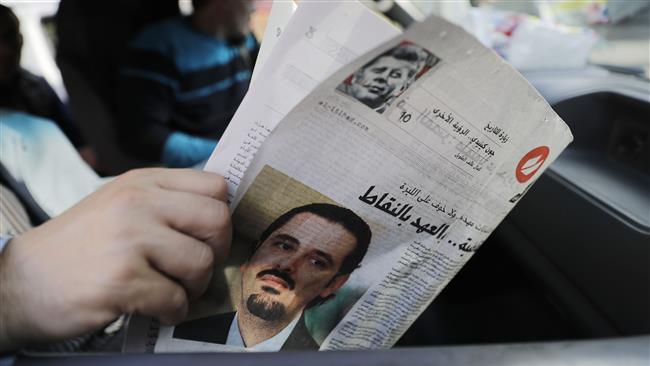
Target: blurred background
82, 51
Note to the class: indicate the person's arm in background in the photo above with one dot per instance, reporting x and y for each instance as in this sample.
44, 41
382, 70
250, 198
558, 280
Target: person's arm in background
183, 150
145, 102
145, 243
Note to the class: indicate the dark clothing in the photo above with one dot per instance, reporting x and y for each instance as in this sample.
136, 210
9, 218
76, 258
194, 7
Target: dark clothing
92, 36
214, 329
178, 79
31, 94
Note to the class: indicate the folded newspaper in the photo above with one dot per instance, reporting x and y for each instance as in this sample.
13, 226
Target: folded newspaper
365, 167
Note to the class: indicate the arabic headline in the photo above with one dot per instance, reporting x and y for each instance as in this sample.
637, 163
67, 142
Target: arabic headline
403, 212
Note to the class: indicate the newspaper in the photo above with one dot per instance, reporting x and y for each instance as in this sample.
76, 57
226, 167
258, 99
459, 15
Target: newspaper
281, 12
319, 39
369, 196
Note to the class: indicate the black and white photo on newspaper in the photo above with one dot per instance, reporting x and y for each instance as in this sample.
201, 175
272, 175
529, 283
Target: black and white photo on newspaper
379, 82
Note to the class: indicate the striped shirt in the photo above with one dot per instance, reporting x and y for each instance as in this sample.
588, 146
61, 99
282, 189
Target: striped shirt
178, 79
13, 217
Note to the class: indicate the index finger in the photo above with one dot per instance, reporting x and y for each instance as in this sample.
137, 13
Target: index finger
192, 181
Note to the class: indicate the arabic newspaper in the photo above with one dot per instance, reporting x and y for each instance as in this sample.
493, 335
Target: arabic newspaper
369, 196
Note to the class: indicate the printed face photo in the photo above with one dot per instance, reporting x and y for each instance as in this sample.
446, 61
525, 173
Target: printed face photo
379, 80
383, 79
292, 257
297, 263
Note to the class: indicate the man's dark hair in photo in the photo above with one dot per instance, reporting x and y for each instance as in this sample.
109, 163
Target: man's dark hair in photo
411, 53
335, 214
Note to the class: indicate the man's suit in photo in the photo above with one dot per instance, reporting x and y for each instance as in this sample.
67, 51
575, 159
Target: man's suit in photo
214, 329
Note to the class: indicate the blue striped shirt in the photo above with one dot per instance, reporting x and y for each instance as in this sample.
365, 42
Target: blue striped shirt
176, 79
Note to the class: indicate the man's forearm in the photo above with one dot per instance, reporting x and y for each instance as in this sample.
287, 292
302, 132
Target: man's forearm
144, 243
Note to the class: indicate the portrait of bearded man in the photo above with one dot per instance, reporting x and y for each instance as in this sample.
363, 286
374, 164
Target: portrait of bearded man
299, 261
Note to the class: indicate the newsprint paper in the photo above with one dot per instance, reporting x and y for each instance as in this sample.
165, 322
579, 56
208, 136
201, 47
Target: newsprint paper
368, 197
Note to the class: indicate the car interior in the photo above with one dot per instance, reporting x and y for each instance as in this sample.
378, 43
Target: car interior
564, 279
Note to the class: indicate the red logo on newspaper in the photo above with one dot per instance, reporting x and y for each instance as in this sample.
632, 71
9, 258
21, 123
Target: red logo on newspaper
531, 162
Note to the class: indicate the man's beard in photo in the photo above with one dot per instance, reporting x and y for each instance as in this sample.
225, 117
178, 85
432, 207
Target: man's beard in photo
264, 308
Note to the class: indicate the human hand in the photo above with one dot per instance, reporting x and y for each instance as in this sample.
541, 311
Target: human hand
145, 243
